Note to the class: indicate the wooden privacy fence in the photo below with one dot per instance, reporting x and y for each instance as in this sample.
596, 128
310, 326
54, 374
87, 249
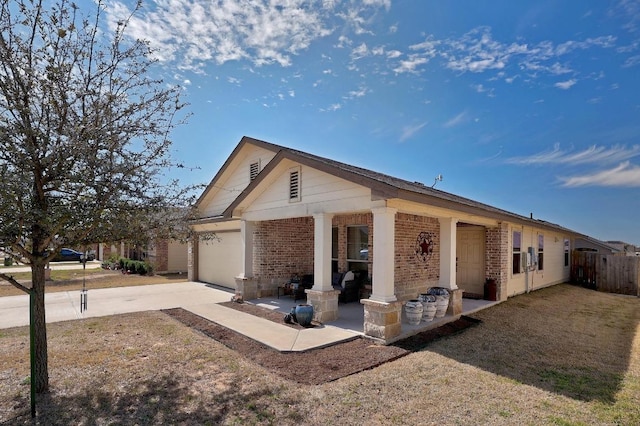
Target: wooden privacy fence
608, 273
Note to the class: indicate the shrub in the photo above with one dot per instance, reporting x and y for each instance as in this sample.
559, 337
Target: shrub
8, 261
136, 266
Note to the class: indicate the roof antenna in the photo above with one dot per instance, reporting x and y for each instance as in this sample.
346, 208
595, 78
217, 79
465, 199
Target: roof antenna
438, 179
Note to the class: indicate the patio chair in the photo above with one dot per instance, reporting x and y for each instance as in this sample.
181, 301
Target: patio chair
348, 285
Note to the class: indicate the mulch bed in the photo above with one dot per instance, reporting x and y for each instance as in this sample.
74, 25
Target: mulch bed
315, 366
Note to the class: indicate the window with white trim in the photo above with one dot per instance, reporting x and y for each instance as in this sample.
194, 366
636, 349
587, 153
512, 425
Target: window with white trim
540, 252
566, 252
516, 243
358, 247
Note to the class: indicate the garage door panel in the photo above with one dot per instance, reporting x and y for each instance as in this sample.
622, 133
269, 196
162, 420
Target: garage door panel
219, 259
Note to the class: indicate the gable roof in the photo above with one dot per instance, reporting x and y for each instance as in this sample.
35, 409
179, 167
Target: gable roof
382, 186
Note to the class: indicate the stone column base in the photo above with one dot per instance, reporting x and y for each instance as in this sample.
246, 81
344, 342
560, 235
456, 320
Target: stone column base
325, 304
382, 319
455, 302
247, 287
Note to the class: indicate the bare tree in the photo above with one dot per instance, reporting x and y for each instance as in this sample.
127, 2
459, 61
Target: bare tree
84, 140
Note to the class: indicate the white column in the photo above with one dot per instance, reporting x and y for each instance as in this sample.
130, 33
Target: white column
322, 251
448, 228
246, 233
383, 275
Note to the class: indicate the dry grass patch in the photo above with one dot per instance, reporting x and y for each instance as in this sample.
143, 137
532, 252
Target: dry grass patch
559, 356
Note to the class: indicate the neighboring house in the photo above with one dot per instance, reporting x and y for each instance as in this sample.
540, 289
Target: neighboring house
625, 249
272, 212
166, 256
585, 243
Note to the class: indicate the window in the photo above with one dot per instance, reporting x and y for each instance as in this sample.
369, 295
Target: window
540, 252
358, 247
566, 252
254, 169
294, 185
517, 252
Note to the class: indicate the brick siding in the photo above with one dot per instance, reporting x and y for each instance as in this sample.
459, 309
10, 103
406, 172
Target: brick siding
412, 274
497, 257
283, 248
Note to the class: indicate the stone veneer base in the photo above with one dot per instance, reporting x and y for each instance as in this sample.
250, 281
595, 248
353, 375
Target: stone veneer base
325, 304
382, 319
455, 302
247, 287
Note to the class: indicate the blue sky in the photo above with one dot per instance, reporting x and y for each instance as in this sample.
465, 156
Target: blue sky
530, 106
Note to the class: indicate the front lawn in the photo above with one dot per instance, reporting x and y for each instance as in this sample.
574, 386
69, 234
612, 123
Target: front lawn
558, 356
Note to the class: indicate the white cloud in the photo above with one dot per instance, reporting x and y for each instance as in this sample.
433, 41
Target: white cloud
624, 175
332, 107
481, 89
357, 93
360, 52
393, 54
631, 61
410, 65
378, 3
377, 51
592, 155
196, 32
409, 131
457, 120
565, 85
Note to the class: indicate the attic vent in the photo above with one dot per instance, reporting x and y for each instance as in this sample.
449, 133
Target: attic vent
254, 169
294, 184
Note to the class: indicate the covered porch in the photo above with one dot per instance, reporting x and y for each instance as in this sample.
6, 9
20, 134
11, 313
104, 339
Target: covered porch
352, 315
412, 254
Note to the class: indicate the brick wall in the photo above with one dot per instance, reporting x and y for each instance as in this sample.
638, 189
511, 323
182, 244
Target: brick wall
413, 275
497, 257
282, 248
159, 255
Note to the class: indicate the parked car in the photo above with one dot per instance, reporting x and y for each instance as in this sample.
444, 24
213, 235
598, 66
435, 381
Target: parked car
67, 254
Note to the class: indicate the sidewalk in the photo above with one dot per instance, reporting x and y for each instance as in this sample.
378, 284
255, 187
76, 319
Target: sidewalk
198, 298
94, 264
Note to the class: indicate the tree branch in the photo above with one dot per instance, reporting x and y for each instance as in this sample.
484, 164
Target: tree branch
13, 282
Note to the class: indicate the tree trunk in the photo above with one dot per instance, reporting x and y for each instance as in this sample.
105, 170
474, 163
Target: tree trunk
39, 319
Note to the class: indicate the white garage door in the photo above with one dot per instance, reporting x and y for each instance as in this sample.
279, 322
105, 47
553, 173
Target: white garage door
220, 260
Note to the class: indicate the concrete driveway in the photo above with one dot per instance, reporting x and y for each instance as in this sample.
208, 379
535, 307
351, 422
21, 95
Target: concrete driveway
63, 306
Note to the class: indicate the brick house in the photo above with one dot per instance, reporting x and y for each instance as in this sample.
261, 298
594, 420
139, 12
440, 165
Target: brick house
271, 212
166, 256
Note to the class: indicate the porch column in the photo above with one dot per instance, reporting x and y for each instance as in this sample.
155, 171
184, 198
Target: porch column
448, 228
322, 252
322, 296
246, 286
448, 260
383, 275
246, 234
192, 258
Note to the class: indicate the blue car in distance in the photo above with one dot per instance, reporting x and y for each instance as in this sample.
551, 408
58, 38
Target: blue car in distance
67, 254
